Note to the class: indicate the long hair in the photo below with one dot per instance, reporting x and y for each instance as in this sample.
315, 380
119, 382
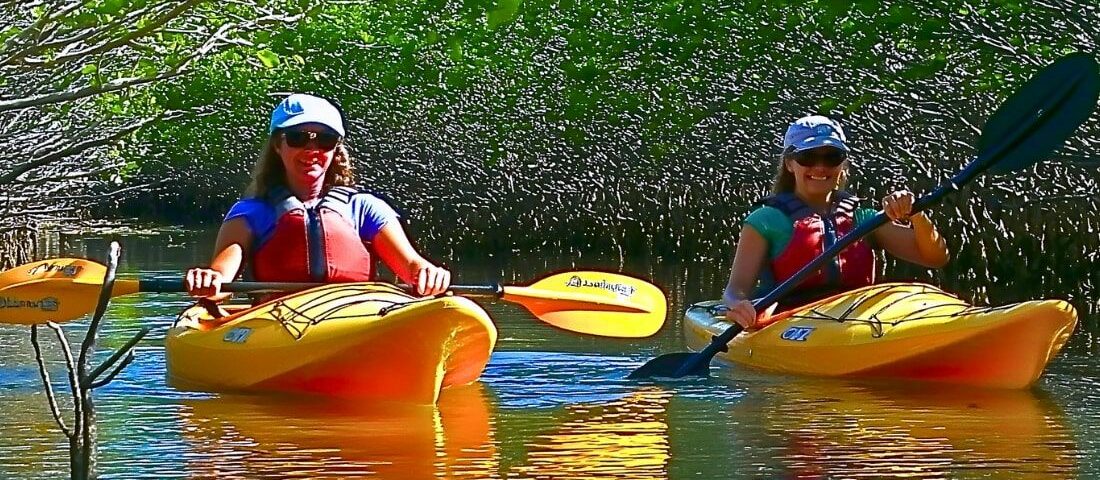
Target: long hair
269, 171
783, 181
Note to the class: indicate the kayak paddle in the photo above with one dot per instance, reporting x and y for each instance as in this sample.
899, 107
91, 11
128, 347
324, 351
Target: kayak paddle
595, 303
1028, 126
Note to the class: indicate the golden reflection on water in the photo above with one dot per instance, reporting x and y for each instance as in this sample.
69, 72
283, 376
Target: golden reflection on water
837, 430
32, 444
251, 437
625, 438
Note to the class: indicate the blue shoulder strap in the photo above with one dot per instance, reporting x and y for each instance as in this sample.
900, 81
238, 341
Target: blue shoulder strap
789, 204
338, 199
796, 209
282, 201
846, 204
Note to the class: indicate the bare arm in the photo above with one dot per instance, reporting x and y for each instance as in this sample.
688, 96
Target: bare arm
393, 247
921, 244
230, 249
752, 251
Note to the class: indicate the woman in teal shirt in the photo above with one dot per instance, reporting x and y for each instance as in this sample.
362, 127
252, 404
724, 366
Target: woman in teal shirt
808, 211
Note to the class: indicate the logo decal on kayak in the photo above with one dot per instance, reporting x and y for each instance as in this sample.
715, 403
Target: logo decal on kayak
45, 268
48, 304
796, 334
237, 335
619, 288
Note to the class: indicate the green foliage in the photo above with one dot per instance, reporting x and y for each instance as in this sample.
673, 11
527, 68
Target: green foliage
268, 58
501, 123
502, 13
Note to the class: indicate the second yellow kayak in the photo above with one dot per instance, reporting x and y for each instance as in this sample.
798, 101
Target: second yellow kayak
359, 340
900, 331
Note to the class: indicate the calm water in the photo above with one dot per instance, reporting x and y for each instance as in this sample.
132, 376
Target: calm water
550, 405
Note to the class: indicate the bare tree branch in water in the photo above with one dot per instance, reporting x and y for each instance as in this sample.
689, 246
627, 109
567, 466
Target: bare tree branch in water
50, 397
78, 79
82, 380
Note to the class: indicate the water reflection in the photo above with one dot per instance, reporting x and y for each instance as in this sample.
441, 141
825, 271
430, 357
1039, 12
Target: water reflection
625, 438
249, 437
553, 405
838, 430
32, 444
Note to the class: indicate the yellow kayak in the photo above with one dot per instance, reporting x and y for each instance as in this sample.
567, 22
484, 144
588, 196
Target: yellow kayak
359, 340
899, 331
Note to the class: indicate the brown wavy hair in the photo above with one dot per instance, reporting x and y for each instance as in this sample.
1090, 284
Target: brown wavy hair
783, 181
269, 171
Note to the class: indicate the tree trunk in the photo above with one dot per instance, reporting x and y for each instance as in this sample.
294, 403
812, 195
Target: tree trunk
17, 245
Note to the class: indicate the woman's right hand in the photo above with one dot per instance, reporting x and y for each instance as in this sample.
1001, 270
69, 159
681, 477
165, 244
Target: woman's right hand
743, 313
432, 280
203, 282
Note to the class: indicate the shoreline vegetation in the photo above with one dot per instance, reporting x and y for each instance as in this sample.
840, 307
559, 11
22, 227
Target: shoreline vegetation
642, 130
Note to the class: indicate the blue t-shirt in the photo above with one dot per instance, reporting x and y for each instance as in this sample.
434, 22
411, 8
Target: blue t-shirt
369, 214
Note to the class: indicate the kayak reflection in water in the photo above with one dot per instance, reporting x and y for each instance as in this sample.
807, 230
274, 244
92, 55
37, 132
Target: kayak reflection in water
302, 221
807, 212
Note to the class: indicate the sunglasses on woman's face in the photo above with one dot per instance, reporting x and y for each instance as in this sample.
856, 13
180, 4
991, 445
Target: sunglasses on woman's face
300, 139
831, 159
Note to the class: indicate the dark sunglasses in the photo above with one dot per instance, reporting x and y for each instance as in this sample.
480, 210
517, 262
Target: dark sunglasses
831, 159
301, 139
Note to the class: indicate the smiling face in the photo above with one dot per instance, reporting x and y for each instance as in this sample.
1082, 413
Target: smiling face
817, 172
306, 164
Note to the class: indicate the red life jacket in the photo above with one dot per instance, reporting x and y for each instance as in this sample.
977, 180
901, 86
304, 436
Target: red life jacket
316, 244
813, 233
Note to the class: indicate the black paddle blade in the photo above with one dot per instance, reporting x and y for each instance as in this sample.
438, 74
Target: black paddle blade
669, 366
1041, 115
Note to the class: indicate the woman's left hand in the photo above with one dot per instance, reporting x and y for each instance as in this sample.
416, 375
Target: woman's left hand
898, 205
432, 280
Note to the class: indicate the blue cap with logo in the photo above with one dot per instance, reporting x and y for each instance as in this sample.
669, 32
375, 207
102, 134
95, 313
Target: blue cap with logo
301, 108
814, 131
